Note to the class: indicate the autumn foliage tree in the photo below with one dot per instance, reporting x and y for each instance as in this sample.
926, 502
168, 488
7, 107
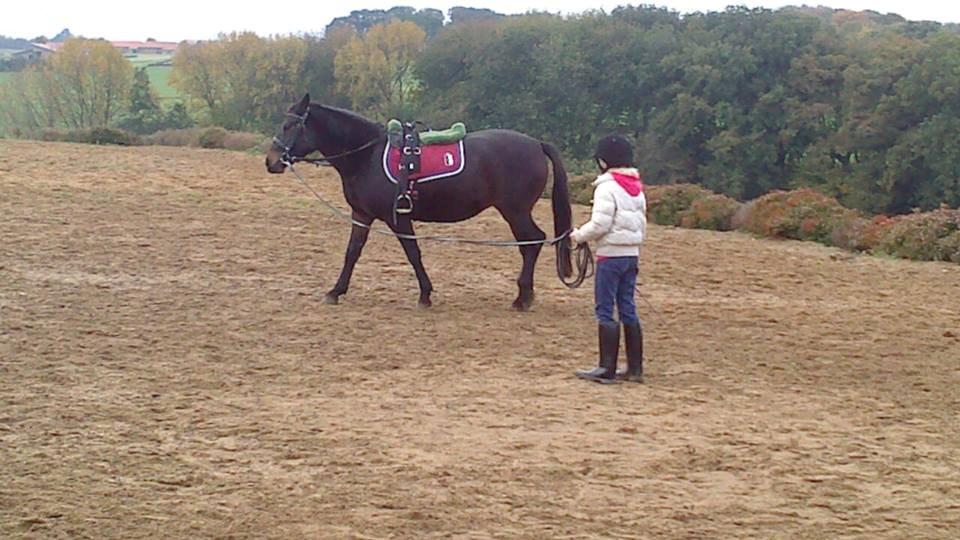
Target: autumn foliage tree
90, 80
241, 81
376, 70
84, 85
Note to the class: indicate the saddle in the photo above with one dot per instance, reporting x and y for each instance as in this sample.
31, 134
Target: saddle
410, 140
406, 137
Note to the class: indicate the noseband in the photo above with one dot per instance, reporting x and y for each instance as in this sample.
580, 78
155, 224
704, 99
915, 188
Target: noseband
286, 147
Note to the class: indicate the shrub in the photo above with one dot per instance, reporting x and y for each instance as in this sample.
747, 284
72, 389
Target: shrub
849, 233
581, 188
98, 135
666, 204
714, 212
105, 135
212, 137
950, 247
928, 236
242, 141
174, 137
803, 214
53, 135
876, 230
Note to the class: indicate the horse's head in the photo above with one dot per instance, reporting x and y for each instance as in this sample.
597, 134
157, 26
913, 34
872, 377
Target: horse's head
293, 139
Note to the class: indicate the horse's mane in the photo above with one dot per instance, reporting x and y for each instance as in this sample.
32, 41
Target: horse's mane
352, 123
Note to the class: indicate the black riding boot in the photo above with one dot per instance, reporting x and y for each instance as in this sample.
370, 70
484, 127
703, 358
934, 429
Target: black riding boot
633, 340
609, 338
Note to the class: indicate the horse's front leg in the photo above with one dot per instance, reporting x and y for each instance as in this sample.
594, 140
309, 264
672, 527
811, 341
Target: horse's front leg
404, 227
358, 237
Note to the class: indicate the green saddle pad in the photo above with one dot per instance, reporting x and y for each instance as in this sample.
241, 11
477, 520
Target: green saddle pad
446, 136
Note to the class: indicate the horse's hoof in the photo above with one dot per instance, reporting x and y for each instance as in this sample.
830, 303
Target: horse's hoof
522, 307
424, 304
331, 299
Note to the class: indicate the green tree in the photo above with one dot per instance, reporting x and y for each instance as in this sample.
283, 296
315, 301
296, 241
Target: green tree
177, 117
363, 20
143, 115
318, 72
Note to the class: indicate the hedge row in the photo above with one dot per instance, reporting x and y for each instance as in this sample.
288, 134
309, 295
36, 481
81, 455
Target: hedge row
208, 137
806, 214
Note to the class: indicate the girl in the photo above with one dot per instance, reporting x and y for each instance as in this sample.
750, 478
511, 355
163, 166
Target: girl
617, 225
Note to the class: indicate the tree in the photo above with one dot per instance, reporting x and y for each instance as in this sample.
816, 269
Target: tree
318, 75
89, 81
84, 85
241, 81
63, 36
377, 69
199, 73
26, 105
177, 117
459, 14
143, 115
363, 20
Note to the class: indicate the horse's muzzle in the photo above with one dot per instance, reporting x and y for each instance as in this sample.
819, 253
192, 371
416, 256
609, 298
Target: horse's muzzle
276, 167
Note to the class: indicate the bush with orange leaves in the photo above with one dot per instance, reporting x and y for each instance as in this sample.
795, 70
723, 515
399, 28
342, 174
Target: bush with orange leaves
926, 236
714, 212
803, 214
690, 206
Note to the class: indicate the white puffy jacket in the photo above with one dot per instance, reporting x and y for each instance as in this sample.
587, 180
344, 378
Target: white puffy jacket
618, 223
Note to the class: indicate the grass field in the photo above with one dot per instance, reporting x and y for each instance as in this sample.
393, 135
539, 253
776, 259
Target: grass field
160, 80
159, 75
143, 60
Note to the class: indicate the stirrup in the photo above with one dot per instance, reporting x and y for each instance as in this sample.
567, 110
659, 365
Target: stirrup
404, 209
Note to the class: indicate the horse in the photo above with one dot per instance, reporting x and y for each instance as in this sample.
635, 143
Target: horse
503, 169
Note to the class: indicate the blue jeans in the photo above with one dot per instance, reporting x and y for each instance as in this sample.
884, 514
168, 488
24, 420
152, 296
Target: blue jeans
615, 283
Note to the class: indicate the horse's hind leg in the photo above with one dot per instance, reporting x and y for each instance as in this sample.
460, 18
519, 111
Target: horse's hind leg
525, 229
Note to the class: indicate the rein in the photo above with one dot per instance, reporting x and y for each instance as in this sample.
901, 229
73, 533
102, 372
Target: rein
289, 160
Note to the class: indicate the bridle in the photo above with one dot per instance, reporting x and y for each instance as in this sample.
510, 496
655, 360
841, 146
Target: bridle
288, 159
286, 147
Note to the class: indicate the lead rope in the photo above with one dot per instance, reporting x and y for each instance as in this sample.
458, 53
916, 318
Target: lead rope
583, 263
431, 238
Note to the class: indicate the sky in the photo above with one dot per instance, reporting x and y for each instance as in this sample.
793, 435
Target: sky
175, 20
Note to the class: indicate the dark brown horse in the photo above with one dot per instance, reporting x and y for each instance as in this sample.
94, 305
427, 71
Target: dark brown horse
503, 169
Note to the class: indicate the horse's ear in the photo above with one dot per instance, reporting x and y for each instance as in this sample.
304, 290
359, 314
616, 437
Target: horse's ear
304, 103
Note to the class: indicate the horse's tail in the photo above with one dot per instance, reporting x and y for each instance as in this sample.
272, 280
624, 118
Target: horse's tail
562, 214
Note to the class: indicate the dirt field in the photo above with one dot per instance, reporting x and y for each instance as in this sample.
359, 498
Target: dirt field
167, 370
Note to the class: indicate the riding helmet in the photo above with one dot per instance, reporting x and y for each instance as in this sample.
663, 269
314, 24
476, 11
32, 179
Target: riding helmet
615, 151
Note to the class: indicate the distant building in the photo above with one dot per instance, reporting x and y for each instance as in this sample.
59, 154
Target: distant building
146, 47
51, 46
17, 59
35, 52
125, 47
